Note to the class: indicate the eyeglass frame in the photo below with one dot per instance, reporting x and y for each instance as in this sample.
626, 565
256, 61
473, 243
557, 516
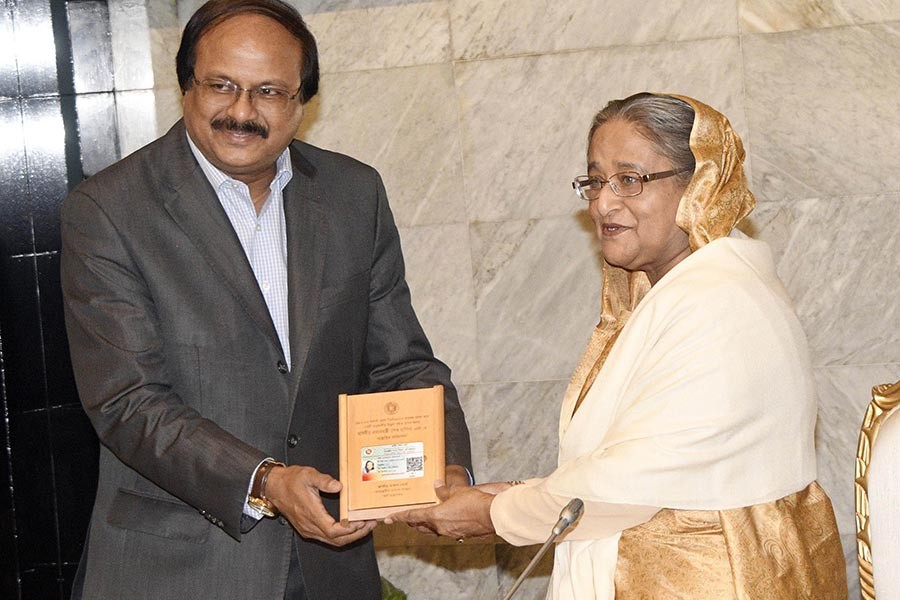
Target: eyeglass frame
579, 189
237, 90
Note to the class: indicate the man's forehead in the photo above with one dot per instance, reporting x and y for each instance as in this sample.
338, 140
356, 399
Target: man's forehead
244, 26
247, 40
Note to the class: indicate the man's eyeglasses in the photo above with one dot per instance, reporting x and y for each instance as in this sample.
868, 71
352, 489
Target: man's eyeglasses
625, 184
224, 92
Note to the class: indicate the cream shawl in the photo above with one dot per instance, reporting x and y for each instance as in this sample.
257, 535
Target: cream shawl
704, 400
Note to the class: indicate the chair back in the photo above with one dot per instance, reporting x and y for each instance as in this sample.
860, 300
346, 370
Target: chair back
878, 495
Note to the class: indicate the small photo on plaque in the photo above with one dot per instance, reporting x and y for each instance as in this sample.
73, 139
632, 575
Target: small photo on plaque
391, 451
393, 461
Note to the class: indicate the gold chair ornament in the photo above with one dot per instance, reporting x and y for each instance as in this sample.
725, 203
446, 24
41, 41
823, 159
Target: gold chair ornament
885, 398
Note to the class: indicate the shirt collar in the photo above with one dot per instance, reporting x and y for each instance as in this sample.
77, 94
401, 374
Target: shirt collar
283, 170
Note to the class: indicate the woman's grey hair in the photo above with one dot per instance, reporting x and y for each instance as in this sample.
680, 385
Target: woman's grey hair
665, 121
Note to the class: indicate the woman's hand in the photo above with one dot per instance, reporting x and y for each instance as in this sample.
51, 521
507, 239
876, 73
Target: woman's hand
494, 487
463, 512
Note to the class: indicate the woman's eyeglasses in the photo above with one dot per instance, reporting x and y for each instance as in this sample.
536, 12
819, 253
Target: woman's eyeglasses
625, 184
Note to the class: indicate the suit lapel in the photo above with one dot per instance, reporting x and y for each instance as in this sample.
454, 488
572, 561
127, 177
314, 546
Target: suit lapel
307, 229
193, 205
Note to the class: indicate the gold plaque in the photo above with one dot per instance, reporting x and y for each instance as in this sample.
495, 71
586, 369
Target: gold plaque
391, 451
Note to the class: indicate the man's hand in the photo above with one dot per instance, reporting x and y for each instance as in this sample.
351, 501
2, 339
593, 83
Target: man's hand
456, 476
295, 492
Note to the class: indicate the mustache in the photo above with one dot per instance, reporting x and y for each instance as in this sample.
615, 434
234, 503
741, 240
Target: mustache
232, 124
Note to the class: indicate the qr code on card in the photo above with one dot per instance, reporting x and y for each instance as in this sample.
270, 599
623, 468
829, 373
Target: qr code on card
415, 463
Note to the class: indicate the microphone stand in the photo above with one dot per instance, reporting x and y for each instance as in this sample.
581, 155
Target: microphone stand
567, 516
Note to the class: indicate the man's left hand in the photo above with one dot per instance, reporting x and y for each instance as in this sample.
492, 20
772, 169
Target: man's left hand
456, 476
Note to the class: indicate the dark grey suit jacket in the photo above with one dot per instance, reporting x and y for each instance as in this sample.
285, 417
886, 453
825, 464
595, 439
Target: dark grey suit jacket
180, 371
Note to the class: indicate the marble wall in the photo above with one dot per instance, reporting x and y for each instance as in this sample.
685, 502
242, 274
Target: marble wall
476, 111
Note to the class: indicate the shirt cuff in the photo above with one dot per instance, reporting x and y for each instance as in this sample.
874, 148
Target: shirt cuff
249, 510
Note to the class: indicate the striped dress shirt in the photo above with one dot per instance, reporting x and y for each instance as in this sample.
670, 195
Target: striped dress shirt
262, 236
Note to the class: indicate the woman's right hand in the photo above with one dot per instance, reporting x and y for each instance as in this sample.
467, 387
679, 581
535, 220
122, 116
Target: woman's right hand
494, 487
463, 512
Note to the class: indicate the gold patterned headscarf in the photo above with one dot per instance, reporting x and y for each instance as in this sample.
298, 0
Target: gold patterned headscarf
713, 203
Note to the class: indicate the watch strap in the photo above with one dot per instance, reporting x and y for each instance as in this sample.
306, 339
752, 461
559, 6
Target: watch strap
257, 498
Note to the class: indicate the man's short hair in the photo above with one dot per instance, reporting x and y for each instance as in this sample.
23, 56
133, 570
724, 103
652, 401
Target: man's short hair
215, 11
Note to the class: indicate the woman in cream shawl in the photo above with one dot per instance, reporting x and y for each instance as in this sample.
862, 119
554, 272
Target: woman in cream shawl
687, 428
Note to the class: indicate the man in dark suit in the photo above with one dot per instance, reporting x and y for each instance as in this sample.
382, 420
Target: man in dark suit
223, 285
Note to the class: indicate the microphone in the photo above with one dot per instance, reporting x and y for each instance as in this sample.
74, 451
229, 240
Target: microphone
568, 515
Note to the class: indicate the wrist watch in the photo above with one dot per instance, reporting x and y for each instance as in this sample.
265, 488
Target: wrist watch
257, 498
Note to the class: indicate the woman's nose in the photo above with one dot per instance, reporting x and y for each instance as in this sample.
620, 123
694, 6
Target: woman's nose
605, 203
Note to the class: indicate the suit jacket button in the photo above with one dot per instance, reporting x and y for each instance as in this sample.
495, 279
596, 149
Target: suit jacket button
293, 440
282, 368
282, 521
